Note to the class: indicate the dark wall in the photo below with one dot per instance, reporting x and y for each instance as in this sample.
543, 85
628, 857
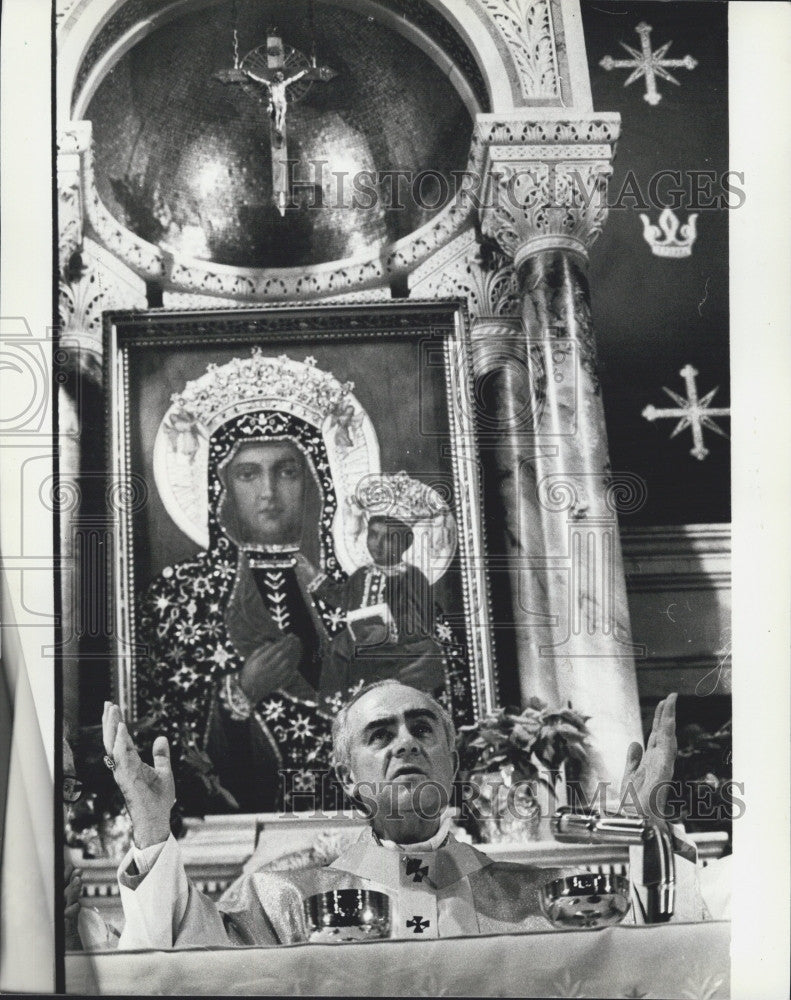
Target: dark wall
653, 315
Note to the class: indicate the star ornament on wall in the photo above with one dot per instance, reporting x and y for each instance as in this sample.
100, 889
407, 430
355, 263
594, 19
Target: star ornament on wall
648, 63
694, 412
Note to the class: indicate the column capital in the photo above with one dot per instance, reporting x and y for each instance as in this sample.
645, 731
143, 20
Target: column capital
545, 178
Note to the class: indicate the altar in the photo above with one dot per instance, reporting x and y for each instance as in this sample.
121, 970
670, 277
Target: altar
674, 960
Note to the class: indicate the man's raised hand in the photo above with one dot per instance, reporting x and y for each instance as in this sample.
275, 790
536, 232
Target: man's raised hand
646, 778
149, 792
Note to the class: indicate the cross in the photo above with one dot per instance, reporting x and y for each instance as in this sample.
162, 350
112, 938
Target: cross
418, 923
414, 868
648, 64
695, 413
267, 66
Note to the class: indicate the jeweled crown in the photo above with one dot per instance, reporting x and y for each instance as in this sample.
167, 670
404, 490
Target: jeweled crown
399, 495
259, 382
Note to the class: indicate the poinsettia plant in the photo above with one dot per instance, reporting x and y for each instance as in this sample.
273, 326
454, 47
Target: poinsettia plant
530, 742
509, 756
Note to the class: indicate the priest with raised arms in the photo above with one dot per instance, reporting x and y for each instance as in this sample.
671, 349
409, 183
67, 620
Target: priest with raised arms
394, 749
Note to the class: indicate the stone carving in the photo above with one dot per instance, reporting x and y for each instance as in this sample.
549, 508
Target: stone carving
69, 220
538, 205
100, 284
526, 28
72, 143
461, 269
80, 305
593, 128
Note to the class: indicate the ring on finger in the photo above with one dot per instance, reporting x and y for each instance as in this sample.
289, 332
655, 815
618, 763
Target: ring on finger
109, 761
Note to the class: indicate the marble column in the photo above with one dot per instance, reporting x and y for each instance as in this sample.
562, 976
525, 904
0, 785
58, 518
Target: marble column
507, 410
545, 203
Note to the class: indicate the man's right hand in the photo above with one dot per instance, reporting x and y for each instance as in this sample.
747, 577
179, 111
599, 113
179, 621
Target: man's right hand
270, 667
149, 792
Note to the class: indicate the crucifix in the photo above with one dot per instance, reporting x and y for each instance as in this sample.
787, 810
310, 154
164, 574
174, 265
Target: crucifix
648, 64
284, 75
694, 412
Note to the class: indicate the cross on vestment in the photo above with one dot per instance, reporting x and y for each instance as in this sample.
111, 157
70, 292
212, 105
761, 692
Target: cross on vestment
268, 70
694, 412
648, 64
416, 870
418, 924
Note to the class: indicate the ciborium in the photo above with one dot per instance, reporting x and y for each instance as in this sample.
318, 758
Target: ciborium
597, 900
585, 900
343, 915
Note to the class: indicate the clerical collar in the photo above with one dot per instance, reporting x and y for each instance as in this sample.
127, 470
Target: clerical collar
432, 844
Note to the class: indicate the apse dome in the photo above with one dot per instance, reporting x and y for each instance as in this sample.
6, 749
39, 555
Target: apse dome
184, 160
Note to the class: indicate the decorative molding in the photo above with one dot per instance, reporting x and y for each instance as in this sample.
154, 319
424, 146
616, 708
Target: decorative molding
546, 126
687, 557
103, 284
74, 137
72, 142
69, 217
676, 576
701, 676
190, 300
460, 271
527, 30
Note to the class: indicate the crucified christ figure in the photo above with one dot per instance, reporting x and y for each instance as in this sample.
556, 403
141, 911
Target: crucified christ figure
277, 86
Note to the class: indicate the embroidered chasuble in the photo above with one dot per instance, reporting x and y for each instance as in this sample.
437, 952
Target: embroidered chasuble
450, 891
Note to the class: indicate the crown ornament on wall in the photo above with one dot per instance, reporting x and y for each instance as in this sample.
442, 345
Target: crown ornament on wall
670, 238
261, 383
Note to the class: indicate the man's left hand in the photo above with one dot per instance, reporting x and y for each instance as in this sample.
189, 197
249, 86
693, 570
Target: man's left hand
650, 772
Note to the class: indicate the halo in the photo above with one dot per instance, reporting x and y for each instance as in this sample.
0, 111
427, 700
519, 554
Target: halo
255, 384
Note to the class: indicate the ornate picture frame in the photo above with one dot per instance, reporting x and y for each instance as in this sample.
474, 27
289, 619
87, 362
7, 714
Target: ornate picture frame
372, 404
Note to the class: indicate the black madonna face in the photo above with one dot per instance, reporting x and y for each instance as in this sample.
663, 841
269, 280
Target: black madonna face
266, 481
388, 539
